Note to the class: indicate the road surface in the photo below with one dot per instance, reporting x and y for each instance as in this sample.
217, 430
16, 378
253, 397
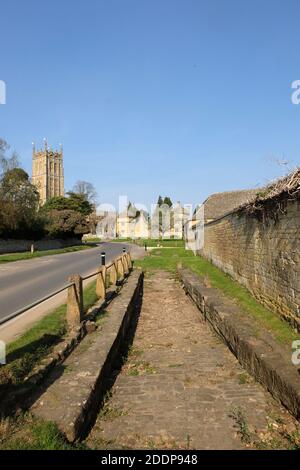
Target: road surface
24, 282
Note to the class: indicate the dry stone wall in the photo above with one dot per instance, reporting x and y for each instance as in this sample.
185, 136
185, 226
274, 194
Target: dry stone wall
264, 256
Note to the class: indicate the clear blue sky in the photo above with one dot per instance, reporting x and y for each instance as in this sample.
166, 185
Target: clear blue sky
178, 97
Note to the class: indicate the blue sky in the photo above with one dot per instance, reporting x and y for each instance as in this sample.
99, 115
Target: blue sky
178, 97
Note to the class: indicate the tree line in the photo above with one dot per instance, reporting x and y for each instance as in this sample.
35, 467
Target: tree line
22, 215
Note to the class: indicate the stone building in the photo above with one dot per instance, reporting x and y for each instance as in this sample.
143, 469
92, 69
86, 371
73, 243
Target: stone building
124, 220
168, 222
132, 223
48, 172
139, 227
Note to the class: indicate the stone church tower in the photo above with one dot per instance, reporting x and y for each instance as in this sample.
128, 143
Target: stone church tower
48, 172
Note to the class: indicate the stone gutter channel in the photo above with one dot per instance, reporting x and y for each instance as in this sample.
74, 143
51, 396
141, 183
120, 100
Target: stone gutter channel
74, 390
255, 348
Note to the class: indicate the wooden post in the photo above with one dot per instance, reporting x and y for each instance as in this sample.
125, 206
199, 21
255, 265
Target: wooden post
75, 302
129, 261
101, 282
125, 264
113, 274
120, 269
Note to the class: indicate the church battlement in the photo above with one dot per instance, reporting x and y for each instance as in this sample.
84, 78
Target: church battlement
48, 171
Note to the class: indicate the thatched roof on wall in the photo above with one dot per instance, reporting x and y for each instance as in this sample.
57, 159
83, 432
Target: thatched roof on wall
275, 195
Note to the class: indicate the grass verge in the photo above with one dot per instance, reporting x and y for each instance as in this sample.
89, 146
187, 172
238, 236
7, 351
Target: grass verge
151, 242
25, 432
92, 240
28, 433
168, 258
27, 351
168, 243
37, 254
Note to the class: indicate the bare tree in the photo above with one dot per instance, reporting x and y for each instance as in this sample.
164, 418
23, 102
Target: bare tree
7, 162
86, 188
3, 145
282, 162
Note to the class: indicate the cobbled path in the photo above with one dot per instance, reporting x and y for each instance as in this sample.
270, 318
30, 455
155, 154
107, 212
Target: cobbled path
181, 387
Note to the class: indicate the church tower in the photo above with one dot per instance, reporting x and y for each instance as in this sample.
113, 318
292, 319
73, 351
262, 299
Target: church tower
48, 172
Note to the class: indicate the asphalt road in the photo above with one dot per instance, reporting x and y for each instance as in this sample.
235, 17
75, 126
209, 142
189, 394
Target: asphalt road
24, 282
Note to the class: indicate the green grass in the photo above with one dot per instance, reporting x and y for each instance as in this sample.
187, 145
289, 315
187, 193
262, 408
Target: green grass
92, 240
165, 243
121, 240
37, 254
89, 296
168, 258
111, 412
139, 368
25, 432
28, 433
161, 258
28, 350
243, 378
151, 242
240, 419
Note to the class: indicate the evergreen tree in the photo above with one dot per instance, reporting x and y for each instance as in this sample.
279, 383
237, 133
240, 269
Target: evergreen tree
168, 201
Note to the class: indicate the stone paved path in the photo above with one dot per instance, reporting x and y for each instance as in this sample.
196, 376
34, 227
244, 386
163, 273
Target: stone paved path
181, 387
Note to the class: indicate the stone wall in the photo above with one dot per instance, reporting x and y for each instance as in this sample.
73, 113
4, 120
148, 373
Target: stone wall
14, 246
263, 256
